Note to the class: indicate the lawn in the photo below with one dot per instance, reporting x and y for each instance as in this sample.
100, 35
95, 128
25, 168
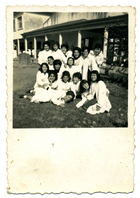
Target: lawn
47, 115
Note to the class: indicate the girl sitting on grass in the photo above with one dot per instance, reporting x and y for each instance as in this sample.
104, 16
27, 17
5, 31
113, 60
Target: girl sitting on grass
50, 62
100, 93
70, 67
76, 79
44, 94
65, 84
41, 78
57, 64
85, 93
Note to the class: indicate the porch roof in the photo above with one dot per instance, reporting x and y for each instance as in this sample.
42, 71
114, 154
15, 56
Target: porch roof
82, 24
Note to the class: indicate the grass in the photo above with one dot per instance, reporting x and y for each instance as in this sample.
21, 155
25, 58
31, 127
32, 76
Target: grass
47, 115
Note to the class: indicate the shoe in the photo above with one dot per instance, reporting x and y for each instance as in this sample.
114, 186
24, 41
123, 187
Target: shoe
21, 96
29, 91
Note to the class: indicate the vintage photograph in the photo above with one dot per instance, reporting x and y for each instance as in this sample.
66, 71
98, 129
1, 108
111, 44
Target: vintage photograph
70, 99
70, 69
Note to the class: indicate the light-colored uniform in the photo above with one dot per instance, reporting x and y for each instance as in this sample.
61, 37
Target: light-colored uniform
99, 89
88, 63
43, 55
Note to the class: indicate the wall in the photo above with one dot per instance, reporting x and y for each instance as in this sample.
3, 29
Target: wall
29, 22
33, 21
61, 17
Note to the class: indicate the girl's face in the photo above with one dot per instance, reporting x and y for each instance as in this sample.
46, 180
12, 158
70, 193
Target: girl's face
57, 67
65, 79
75, 80
86, 86
97, 51
55, 47
51, 78
93, 77
85, 53
50, 61
70, 62
44, 69
76, 53
46, 47
68, 98
64, 50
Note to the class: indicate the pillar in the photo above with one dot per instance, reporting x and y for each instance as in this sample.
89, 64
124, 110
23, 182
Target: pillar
46, 38
35, 48
18, 46
60, 39
79, 38
105, 43
26, 44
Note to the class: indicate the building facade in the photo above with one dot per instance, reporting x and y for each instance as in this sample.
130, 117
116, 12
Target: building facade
75, 29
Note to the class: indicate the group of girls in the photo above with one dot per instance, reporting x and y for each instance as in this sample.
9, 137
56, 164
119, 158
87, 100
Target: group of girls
64, 75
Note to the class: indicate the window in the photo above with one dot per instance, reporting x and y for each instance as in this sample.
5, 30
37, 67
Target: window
118, 46
19, 19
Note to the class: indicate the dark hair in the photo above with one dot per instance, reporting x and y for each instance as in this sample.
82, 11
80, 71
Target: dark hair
98, 45
52, 72
66, 73
78, 49
55, 43
65, 45
40, 69
86, 48
57, 62
70, 58
51, 57
72, 94
98, 75
82, 90
46, 42
77, 75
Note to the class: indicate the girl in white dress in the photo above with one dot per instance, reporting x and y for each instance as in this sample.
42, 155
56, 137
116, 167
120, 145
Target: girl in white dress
70, 67
101, 93
41, 77
57, 53
98, 91
44, 94
78, 60
65, 84
98, 54
50, 62
76, 79
89, 63
65, 49
43, 55
58, 68
85, 93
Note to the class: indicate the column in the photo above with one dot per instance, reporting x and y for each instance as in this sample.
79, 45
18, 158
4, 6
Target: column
18, 46
26, 44
46, 38
60, 39
35, 48
105, 43
79, 38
